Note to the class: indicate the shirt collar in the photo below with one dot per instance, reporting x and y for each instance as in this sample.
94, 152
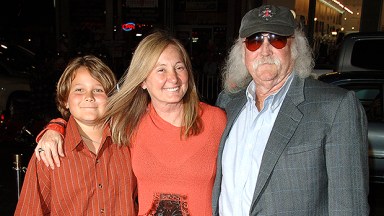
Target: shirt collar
73, 138
277, 98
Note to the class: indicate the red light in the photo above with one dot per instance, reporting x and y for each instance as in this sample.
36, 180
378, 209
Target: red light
128, 26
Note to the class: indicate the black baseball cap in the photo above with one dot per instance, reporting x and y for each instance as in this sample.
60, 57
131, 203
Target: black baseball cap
268, 18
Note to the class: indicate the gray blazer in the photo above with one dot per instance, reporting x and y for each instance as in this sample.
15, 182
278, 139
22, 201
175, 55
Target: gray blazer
316, 158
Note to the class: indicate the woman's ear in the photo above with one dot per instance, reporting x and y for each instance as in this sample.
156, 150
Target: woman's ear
67, 105
143, 85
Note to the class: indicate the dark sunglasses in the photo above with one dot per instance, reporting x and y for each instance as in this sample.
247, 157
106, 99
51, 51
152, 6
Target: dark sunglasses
254, 41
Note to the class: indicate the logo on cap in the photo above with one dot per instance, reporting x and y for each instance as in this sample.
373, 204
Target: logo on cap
266, 13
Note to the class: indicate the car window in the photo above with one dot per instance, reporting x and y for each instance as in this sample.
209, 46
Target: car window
19, 60
365, 55
371, 97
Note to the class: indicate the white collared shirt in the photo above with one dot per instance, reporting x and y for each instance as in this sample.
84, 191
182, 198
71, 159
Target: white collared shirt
244, 150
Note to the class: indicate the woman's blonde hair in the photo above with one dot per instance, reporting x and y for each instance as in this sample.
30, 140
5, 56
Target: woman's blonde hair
97, 69
127, 106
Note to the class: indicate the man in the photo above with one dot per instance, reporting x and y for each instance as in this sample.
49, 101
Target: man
293, 145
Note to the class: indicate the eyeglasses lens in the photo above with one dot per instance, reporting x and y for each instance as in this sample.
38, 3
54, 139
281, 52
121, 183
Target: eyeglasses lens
255, 41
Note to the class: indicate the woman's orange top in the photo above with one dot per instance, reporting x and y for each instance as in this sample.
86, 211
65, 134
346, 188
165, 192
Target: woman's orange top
173, 174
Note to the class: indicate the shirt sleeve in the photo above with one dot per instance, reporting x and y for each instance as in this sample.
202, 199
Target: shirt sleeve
57, 125
36, 193
347, 159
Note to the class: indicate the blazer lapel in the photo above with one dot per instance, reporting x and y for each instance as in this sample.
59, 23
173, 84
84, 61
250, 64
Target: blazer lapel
233, 109
282, 131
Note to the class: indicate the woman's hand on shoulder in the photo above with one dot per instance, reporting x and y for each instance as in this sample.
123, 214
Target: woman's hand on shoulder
49, 148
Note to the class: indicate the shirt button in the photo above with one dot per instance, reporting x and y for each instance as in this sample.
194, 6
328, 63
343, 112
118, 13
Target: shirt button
97, 161
102, 211
100, 186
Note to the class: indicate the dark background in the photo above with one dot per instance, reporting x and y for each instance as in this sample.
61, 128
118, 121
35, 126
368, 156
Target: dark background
58, 30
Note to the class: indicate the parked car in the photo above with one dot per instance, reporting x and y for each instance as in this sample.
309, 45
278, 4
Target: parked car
14, 88
16, 67
369, 87
359, 52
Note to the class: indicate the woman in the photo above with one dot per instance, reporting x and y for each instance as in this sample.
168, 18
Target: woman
173, 136
92, 169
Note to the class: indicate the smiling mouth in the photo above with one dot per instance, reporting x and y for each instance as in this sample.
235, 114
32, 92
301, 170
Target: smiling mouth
172, 89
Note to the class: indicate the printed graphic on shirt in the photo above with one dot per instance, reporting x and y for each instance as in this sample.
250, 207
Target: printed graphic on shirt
169, 205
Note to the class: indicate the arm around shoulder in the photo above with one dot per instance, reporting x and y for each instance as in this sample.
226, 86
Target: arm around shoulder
57, 125
50, 142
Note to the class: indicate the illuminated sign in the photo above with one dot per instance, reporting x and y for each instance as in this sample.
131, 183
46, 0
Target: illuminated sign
128, 26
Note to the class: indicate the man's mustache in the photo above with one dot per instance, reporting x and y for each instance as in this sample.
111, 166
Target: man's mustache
266, 60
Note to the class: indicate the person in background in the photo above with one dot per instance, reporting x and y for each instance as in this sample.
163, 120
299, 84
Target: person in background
173, 137
96, 175
293, 145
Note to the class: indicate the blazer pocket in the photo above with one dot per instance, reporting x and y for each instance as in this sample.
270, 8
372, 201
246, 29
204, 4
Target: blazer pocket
304, 148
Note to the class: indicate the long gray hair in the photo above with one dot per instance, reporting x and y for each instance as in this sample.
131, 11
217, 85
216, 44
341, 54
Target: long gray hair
236, 76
